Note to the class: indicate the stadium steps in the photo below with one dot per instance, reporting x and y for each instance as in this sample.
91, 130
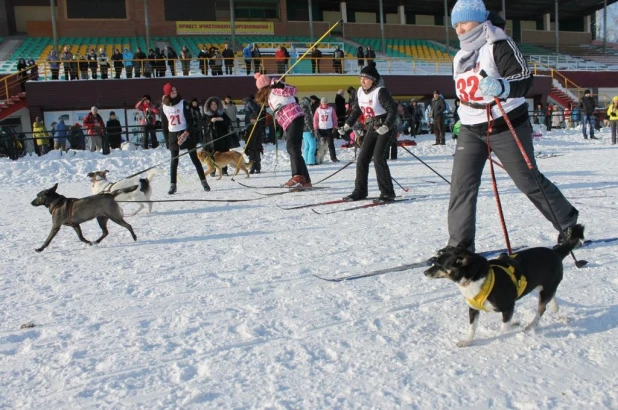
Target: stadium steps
13, 104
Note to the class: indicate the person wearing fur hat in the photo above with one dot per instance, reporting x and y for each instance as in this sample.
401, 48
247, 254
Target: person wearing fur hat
280, 98
218, 126
180, 130
379, 109
324, 122
489, 64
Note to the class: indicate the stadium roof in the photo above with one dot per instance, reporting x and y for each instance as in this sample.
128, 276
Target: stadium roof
515, 9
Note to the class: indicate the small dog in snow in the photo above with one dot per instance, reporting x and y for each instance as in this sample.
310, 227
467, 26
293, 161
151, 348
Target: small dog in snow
495, 285
322, 150
101, 184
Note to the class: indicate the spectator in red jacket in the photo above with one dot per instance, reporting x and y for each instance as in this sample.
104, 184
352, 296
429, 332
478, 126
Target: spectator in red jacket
149, 120
94, 125
280, 60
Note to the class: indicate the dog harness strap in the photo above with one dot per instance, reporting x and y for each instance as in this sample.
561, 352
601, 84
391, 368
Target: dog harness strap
478, 302
70, 211
520, 284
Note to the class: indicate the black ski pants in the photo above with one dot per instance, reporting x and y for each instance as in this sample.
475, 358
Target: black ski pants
378, 147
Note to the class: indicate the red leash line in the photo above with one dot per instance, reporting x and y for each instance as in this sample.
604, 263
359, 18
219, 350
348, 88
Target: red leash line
495, 184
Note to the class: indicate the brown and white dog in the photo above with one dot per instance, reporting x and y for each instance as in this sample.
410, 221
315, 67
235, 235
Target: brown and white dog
223, 159
100, 184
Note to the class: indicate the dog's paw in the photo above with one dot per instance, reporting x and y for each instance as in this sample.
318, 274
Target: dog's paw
565, 320
464, 343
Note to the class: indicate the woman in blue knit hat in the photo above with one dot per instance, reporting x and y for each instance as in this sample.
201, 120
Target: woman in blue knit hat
485, 48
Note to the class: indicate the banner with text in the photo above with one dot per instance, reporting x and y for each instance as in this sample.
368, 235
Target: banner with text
223, 27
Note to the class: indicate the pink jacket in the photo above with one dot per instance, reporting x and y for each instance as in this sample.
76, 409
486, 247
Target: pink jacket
283, 103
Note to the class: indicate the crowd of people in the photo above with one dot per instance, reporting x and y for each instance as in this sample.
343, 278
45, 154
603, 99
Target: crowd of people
156, 62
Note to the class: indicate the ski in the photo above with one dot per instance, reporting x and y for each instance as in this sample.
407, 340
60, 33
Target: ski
316, 204
426, 263
291, 190
197, 200
277, 187
370, 205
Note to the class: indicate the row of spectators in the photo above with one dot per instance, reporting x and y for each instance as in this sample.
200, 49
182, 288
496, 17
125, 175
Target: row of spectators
156, 62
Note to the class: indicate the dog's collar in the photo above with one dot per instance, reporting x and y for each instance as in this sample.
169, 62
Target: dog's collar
478, 302
56, 203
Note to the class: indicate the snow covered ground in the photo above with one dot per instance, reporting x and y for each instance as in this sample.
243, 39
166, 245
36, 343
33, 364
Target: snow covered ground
215, 306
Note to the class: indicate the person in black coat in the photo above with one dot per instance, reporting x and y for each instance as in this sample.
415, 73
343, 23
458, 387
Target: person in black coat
370, 55
117, 63
587, 106
217, 128
159, 62
197, 117
360, 55
22, 73
340, 108
203, 57
254, 145
171, 59
139, 62
179, 129
113, 130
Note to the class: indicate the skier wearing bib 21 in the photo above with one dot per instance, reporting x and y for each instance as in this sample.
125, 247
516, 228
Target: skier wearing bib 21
484, 47
380, 112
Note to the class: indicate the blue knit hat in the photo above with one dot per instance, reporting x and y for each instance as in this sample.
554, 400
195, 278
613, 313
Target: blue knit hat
468, 10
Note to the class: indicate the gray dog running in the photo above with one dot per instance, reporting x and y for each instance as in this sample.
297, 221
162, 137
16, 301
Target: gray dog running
72, 212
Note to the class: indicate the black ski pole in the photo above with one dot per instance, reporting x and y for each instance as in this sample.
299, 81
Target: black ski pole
423, 162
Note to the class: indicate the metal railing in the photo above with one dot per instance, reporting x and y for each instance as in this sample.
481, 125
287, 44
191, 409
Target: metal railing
87, 69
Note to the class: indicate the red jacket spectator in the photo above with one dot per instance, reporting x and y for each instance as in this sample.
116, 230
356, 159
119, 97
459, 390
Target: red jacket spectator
93, 122
148, 110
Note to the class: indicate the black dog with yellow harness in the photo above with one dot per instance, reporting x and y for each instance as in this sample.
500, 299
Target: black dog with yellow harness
495, 285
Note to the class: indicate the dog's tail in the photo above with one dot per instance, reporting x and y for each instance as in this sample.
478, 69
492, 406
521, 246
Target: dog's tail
249, 164
117, 192
144, 183
152, 173
576, 237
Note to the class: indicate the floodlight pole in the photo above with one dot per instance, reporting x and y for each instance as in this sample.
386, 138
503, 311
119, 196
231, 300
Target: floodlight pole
310, 21
147, 24
504, 9
54, 25
604, 27
557, 28
233, 24
448, 51
382, 28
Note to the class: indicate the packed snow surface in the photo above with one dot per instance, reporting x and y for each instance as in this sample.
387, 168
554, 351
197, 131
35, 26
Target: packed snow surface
215, 305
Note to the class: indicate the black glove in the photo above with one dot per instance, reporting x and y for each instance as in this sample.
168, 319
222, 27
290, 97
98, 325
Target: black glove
278, 84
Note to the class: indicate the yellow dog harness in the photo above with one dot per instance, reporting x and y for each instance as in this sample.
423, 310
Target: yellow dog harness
478, 302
